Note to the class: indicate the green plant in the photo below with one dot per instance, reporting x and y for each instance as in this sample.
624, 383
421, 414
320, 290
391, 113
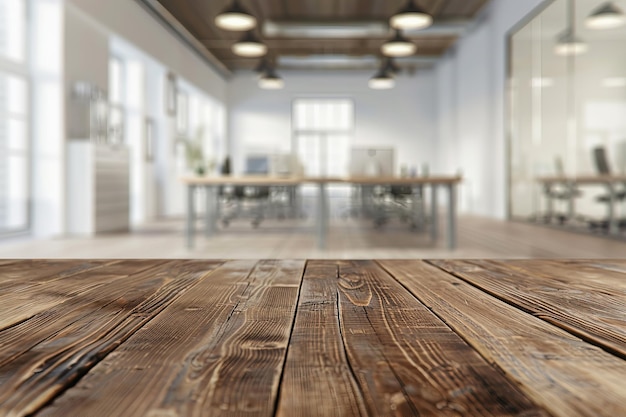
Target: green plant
194, 152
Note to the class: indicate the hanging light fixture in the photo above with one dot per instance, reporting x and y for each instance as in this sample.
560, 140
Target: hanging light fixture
389, 66
270, 80
606, 16
567, 43
411, 16
235, 17
383, 79
249, 46
398, 46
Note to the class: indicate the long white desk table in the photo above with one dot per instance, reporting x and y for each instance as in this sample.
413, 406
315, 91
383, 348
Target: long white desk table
212, 184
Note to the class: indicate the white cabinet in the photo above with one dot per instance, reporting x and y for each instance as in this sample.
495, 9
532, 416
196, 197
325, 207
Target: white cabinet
98, 188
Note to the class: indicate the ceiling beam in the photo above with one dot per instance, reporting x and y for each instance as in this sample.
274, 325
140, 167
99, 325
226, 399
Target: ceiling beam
172, 23
349, 29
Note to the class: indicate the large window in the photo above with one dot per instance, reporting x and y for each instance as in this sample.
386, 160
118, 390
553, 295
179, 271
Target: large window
14, 144
323, 130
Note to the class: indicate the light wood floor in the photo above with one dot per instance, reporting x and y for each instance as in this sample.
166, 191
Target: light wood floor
348, 239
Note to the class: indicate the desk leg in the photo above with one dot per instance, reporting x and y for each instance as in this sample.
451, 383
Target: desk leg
191, 215
451, 216
549, 203
322, 216
211, 210
434, 221
613, 226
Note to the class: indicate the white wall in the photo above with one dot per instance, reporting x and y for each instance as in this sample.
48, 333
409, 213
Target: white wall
402, 118
471, 86
87, 28
129, 20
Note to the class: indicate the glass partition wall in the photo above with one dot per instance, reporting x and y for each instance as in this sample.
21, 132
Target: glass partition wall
567, 98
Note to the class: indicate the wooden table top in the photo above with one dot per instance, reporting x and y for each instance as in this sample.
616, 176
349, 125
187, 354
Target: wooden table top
277, 180
159, 338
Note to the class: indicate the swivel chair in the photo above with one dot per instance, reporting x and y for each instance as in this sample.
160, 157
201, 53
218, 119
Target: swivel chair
562, 191
613, 195
397, 201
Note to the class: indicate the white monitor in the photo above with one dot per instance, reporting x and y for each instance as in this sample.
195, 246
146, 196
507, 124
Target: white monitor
372, 162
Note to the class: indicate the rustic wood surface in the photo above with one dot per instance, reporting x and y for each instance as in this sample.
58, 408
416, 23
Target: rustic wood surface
160, 338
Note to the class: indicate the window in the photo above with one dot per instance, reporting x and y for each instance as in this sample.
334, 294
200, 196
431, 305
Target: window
323, 129
13, 154
13, 30
14, 140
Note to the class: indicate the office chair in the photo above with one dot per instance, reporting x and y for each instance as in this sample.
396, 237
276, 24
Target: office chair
602, 166
565, 192
397, 201
254, 202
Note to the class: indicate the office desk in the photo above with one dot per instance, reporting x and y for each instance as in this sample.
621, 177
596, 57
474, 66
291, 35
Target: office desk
156, 338
609, 181
212, 184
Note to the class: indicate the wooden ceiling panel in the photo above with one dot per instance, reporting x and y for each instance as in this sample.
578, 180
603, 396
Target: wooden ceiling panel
197, 16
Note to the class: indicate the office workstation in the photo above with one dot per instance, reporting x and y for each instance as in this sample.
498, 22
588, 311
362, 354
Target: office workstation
211, 185
604, 191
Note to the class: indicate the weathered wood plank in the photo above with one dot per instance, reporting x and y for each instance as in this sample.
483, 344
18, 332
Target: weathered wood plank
32, 294
22, 274
586, 304
598, 275
88, 326
409, 362
560, 372
218, 350
317, 379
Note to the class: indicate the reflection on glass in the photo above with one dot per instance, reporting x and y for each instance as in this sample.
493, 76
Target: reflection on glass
562, 107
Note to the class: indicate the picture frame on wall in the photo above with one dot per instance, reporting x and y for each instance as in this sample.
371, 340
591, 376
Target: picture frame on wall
116, 124
149, 139
171, 93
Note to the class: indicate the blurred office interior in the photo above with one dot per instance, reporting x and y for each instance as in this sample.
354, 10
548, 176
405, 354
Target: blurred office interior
106, 105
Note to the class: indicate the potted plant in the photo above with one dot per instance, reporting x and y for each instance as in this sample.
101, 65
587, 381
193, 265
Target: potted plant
194, 153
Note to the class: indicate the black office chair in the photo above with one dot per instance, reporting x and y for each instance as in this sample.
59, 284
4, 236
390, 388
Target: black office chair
396, 201
254, 202
565, 192
617, 195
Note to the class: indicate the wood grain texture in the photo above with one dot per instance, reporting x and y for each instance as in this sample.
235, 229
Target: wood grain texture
317, 379
562, 373
586, 303
409, 362
68, 340
221, 351
32, 286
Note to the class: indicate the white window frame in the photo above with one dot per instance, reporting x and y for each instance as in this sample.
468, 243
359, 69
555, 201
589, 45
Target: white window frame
21, 70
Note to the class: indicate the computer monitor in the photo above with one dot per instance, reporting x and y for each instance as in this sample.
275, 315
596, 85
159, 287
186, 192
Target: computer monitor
371, 161
602, 164
257, 164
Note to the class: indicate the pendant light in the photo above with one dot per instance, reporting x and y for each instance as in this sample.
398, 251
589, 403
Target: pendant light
398, 46
249, 46
236, 18
411, 16
606, 16
567, 43
389, 66
381, 81
270, 80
